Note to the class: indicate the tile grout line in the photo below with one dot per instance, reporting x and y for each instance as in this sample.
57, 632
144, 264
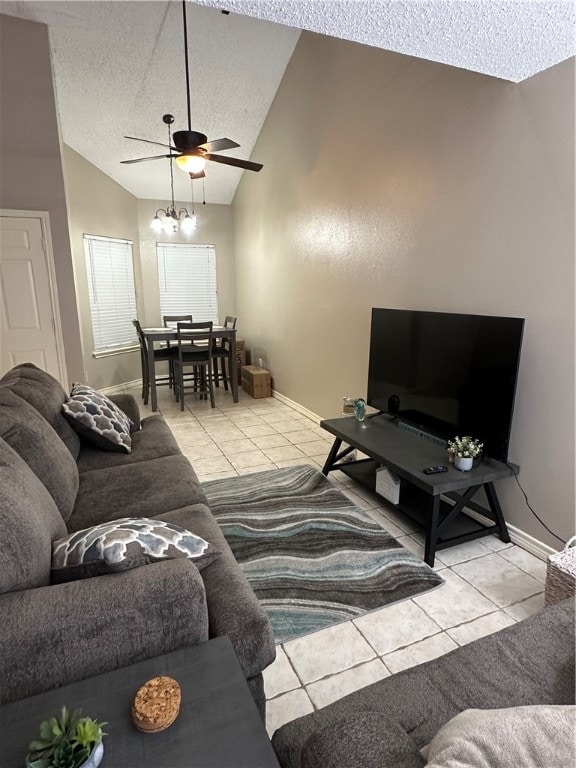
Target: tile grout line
326, 677
379, 656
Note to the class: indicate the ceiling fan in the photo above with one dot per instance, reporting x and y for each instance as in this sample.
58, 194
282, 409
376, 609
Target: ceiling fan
191, 149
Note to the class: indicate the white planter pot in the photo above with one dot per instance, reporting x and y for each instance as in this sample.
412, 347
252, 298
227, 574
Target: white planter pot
92, 761
463, 463
95, 758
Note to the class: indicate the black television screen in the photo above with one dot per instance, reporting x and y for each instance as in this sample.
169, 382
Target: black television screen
448, 374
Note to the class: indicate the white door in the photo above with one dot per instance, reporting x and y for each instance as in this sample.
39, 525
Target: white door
29, 319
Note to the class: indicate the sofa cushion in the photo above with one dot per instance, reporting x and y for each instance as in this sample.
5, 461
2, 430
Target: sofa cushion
96, 418
46, 394
153, 441
127, 403
34, 440
124, 544
508, 738
107, 494
29, 523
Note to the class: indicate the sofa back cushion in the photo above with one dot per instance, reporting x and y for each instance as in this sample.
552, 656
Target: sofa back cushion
46, 395
34, 440
29, 522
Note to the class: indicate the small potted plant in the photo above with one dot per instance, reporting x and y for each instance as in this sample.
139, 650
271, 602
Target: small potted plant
465, 450
67, 741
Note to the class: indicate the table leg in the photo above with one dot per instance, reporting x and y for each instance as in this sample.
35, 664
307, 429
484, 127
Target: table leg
432, 533
494, 504
152, 376
233, 368
331, 456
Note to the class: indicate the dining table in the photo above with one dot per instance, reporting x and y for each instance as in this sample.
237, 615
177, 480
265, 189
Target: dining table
160, 334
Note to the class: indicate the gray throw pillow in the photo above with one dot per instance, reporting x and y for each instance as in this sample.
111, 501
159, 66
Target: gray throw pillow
123, 544
530, 737
96, 418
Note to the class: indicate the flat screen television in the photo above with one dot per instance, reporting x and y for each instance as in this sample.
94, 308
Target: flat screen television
447, 374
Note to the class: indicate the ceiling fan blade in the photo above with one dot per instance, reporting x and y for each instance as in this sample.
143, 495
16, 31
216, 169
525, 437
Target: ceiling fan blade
143, 159
157, 143
199, 175
219, 144
248, 165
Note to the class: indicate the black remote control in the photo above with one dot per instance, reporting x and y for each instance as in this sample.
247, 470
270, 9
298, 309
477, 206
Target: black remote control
435, 470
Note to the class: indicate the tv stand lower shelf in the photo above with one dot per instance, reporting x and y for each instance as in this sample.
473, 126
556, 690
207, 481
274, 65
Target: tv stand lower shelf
439, 503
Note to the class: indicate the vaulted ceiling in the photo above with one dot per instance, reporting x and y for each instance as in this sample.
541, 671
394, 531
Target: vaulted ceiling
119, 66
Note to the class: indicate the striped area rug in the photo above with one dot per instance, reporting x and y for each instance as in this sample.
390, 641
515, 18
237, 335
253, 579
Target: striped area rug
312, 557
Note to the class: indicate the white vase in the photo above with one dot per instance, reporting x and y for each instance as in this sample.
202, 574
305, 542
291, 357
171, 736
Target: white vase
463, 463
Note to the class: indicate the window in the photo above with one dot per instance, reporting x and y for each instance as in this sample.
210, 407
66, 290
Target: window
187, 279
110, 273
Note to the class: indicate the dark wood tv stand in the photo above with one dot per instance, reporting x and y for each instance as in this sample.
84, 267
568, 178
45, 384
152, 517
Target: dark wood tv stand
438, 502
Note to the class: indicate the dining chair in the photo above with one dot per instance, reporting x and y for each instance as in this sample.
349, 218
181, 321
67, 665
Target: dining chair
194, 351
171, 321
160, 355
221, 351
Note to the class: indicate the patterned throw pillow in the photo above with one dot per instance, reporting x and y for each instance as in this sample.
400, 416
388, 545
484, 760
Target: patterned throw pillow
123, 544
96, 418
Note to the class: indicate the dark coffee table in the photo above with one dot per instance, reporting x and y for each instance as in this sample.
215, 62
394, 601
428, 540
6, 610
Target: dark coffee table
218, 726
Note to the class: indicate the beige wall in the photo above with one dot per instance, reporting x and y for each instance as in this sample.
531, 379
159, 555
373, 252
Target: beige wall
390, 181
214, 228
99, 206
30, 162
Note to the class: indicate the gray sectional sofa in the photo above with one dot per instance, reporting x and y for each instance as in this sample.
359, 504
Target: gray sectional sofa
51, 483
386, 724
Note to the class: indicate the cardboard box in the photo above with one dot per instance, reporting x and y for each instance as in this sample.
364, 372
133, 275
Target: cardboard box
256, 381
240, 357
388, 485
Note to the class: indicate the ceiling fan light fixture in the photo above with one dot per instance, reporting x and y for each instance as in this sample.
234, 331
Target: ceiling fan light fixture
191, 163
191, 149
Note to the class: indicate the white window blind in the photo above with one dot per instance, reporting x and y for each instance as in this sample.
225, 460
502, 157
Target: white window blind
187, 278
110, 271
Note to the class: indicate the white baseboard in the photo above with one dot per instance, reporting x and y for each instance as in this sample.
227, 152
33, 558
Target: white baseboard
529, 543
519, 537
296, 406
119, 388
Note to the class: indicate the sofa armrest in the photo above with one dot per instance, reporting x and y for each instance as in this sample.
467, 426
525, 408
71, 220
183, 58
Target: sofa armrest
58, 634
129, 405
233, 608
364, 738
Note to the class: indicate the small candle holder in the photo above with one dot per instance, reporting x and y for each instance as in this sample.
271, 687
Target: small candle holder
348, 404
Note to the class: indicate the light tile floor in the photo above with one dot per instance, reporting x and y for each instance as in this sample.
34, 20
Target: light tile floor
489, 584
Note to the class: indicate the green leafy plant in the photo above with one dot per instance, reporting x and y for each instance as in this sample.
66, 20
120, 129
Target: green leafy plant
466, 447
65, 741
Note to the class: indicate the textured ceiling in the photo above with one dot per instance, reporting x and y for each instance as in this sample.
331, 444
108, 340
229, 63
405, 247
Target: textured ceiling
119, 65
509, 39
